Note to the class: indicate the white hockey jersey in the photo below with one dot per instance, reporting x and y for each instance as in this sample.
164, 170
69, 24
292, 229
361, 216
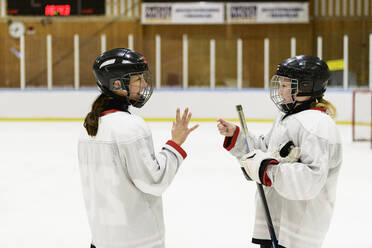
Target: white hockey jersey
302, 196
123, 181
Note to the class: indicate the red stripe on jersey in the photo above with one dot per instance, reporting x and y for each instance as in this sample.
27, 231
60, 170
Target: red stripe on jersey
109, 111
177, 147
320, 109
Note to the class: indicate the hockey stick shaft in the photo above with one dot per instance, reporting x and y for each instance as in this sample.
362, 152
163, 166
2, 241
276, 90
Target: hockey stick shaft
269, 222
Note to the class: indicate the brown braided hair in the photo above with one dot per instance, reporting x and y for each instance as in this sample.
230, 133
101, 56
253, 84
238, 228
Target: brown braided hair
92, 119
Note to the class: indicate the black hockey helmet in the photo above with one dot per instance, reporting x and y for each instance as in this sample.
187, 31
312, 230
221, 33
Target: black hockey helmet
308, 76
113, 70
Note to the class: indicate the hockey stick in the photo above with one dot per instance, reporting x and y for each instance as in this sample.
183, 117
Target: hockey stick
269, 222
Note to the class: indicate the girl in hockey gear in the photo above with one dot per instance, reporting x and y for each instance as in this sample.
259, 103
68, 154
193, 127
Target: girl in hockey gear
123, 179
298, 160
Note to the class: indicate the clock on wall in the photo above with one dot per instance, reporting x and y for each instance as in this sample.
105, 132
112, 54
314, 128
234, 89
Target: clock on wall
16, 29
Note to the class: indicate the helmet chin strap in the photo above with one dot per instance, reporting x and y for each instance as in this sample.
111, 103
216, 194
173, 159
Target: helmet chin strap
122, 99
300, 105
306, 101
296, 103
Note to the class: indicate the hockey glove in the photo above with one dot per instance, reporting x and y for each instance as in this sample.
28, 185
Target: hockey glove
255, 165
288, 153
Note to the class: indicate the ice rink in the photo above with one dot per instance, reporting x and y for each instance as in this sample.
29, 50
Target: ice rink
209, 204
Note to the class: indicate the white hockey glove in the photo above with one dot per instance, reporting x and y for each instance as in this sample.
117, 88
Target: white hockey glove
255, 164
288, 153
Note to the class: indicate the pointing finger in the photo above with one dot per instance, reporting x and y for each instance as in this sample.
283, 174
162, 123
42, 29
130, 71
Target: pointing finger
222, 129
222, 121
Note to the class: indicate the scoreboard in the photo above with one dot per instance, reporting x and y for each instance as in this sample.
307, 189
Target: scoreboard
55, 7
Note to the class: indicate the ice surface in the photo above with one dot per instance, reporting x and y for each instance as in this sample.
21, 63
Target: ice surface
209, 204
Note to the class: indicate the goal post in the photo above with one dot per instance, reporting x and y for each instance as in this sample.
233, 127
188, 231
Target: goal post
362, 115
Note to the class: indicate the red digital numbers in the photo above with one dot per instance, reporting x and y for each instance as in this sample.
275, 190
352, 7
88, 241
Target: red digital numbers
58, 10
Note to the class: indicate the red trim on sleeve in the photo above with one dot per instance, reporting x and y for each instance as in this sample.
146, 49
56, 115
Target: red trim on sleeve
177, 147
229, 142
266, 180
320, 109
109, 111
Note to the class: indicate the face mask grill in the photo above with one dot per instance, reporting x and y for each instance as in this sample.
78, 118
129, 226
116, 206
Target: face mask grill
283, 91
141, 88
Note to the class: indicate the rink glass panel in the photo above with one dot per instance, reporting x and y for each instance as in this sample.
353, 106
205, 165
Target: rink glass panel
9, 62
171, 62
36, 61
331, 30
199, 62
226, 63
63, 61
357, 29
90, 49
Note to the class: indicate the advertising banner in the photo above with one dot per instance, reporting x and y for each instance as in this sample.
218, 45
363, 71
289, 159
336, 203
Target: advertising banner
268, 12
183, 13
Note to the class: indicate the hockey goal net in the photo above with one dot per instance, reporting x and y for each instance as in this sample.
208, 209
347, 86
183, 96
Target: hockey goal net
362, 115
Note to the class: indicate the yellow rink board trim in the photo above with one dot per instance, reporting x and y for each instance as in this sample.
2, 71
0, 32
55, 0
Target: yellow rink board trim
146, 119
157, 120
335, 65
40, 119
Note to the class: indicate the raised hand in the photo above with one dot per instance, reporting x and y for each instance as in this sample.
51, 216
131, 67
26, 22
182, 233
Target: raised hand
180, 129
225, 128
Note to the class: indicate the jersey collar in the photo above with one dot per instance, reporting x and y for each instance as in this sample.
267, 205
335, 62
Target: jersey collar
109, 111
320, 109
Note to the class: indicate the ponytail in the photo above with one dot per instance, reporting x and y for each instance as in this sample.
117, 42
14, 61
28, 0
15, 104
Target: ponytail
92, 119
322, 103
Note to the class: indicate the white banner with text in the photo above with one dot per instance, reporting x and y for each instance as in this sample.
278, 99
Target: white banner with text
267, 12
183, 13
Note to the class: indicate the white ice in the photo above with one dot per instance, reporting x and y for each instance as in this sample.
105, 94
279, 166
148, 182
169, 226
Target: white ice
209, 204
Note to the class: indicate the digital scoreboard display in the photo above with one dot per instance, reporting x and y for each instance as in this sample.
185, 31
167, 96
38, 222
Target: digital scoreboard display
225, 1
55, 7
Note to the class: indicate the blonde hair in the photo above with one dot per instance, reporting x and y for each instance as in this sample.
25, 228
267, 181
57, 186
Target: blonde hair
324, 104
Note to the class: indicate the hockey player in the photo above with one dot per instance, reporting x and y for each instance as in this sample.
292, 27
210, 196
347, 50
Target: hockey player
122, 178
298, 160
